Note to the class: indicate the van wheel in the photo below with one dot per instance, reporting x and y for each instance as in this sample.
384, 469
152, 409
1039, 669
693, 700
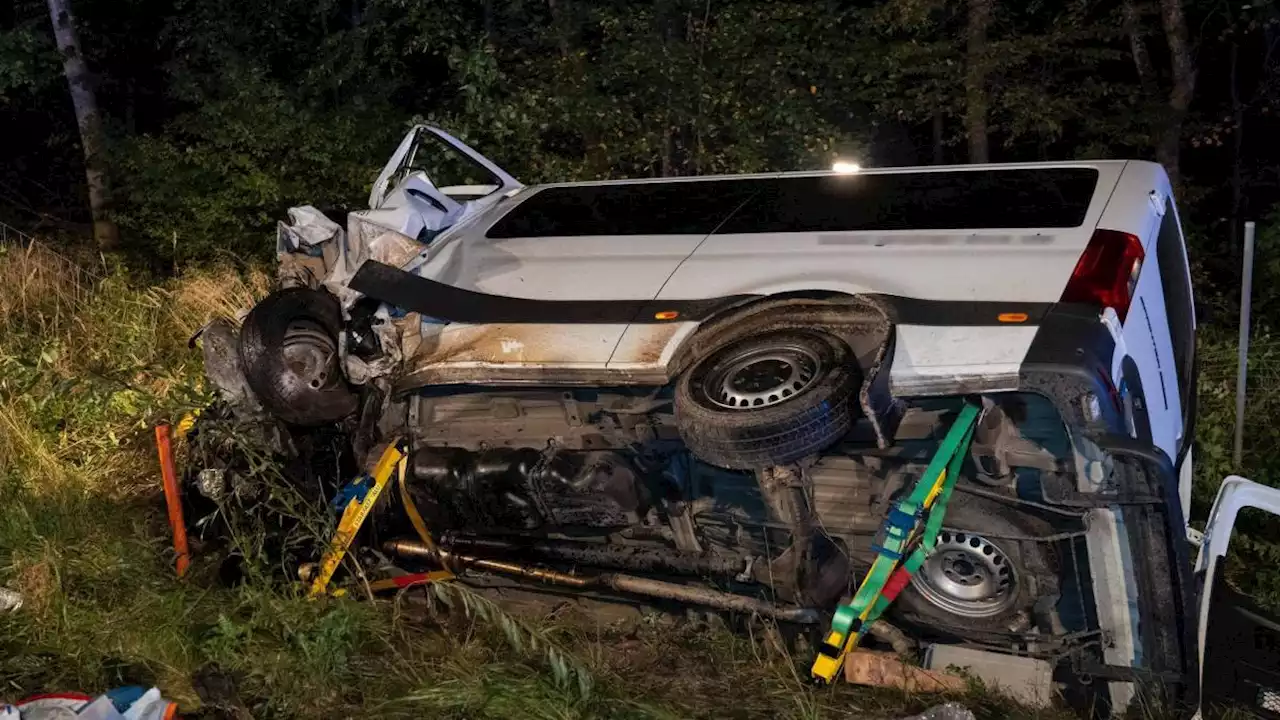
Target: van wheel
980, 576
767, 400
289, 350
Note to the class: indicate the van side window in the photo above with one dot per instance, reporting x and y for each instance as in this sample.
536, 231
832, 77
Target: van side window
1171, 257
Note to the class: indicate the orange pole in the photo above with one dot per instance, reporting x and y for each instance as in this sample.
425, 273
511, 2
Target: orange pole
171, 497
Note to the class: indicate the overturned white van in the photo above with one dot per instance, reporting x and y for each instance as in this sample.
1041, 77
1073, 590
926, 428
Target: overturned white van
724, 383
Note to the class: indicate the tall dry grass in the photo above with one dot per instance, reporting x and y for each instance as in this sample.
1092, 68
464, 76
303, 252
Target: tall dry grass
39, 285
89, 360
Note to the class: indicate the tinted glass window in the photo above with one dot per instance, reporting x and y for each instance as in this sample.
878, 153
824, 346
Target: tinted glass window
962, 200
683, 208
958, 200
1171, 257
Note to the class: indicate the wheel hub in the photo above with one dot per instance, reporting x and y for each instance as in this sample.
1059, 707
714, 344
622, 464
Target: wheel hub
762, 377
309, 353
967, 575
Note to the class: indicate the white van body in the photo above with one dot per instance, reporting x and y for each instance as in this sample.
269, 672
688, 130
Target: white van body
990, 275
1010, 267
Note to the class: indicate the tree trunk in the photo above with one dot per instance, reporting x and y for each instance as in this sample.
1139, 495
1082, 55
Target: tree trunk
1184, 85
666, 162
1237, 147
937, 137
561, 25
975, 81
92, 137
1138, 47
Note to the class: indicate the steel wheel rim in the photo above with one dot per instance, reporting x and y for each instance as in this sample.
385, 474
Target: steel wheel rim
762, 377
309, 353
967, 575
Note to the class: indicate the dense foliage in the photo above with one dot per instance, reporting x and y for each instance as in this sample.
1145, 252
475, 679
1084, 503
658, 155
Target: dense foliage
221, 114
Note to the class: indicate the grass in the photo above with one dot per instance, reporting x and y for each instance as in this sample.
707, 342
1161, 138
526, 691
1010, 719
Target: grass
88, 362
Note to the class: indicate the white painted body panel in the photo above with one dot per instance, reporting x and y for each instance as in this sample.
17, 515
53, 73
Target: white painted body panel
927, 357
1019, 265
1146, 337
1138, 207
1135, 209
571, 268
1235, 494
1030, 264
1024, 265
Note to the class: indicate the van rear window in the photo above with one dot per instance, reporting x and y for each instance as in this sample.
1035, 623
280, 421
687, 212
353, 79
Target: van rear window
952, 200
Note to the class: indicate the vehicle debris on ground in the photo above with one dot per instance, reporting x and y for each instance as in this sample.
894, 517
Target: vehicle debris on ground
10, 600
124, 703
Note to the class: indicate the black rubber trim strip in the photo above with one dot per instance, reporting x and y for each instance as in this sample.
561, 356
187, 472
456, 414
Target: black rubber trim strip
1190, 406
446, 302
968, 313
414, 293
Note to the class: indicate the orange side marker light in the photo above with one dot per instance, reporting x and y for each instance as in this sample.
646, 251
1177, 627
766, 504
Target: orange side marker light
1012, 317
172, 499
666, 315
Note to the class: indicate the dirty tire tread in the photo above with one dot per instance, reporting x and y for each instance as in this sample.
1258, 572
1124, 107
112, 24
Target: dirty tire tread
261, 342
801, 426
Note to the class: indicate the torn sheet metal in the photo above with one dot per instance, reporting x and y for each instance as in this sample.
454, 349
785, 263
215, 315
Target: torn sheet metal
407, 213
306, 247
389, 332
314, 251
307, 229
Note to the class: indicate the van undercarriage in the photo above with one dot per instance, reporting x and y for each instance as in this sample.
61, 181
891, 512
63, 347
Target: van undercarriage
573, 491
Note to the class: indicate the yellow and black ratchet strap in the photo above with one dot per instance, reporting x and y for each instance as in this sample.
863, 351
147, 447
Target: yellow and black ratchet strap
360, 495
420, 525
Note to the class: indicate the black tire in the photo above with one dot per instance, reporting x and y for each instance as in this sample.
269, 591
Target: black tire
1005, 575
289, 350
783, 423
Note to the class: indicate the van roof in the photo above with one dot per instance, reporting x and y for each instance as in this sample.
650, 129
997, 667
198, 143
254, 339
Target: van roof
1049, 196
1096, 164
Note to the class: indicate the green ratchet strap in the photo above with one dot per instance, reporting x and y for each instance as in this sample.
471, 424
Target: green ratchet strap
908, 536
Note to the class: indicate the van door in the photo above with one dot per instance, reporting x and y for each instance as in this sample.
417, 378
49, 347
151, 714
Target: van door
449, 164
1179, 311
1159, 326
431, 182
1239, 630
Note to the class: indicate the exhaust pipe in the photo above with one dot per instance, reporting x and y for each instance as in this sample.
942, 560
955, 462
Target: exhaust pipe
614, 581
625, 558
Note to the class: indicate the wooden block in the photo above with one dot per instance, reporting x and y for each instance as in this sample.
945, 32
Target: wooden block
882, 669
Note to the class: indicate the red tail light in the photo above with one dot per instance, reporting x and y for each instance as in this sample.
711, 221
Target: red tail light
1107, 274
